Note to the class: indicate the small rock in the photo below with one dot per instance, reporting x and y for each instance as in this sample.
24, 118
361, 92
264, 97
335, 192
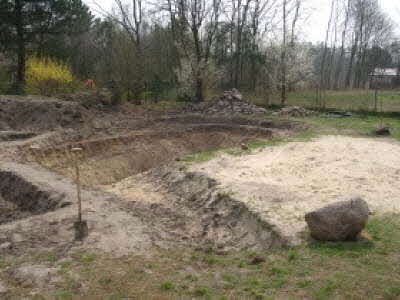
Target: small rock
384, 131
244, 147
341, 221
257, 260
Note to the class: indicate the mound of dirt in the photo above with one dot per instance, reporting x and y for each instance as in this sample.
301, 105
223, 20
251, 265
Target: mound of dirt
295, 111
230, 102
39, 113
90, 98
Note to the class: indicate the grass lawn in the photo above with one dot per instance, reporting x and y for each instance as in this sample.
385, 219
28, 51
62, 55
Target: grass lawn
351, 100
369, 269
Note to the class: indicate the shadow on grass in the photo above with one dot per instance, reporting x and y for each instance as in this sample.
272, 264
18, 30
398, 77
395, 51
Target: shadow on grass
382, 235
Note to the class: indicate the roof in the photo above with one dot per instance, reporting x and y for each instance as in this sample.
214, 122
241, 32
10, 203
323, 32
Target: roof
385, 72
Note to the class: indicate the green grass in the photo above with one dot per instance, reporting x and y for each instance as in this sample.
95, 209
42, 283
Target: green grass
361, 125
204, 156
358, 125
352, 100
367, 269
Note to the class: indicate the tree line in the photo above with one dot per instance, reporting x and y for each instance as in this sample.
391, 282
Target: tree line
184, 48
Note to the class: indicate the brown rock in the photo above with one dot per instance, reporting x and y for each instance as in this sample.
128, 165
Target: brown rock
257, 260
341, 221
383, 131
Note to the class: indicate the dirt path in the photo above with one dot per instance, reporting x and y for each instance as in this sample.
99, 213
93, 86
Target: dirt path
283, 183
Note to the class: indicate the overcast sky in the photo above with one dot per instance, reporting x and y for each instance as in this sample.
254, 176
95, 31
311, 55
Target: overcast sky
320, 10
317, 10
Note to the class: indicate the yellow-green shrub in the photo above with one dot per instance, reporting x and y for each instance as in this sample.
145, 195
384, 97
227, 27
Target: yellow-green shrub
46, 76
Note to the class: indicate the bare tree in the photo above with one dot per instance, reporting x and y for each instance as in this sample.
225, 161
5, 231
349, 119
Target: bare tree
283, 54
195, 24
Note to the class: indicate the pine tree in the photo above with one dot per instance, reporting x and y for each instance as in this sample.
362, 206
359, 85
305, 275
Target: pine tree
25, 23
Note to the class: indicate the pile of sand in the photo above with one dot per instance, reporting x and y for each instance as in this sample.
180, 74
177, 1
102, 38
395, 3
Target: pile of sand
285, 182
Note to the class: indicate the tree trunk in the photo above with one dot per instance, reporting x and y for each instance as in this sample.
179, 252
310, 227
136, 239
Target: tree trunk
199, 89
283, 58
350, 67
21, 51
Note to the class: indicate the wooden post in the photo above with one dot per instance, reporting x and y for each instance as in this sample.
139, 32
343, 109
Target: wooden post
78, 183
381, 112
81, 228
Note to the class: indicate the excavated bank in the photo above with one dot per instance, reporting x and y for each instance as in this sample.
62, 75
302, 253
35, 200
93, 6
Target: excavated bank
189, 209
108, 160
21, 197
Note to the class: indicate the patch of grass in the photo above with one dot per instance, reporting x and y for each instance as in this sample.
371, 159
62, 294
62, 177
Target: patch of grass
350, 100
345, 249
279, 271
278, 283
66, 265
204, 156
202, 291
64, 295
213, 260
392, 292
105, 280
326, 290
85, 257
167, 286
353, 270
293, 255
304, 283
47, 257
200, 156
3, 263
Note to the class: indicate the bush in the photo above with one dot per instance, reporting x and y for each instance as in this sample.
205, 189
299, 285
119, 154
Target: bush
45, 76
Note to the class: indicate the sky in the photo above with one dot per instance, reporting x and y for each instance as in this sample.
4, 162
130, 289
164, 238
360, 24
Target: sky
320, 11
317, 15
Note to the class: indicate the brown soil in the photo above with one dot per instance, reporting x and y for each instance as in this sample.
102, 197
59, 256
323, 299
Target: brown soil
109, 159
37, 171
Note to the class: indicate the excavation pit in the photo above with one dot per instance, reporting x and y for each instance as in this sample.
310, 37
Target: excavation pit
137, 191
107, 160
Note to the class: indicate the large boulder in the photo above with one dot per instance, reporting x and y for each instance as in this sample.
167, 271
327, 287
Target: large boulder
341, 221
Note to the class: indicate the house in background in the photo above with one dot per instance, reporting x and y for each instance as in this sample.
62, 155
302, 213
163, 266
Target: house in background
384, 78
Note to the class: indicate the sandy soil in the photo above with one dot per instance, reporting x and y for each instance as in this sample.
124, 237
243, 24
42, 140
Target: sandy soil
283, 183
